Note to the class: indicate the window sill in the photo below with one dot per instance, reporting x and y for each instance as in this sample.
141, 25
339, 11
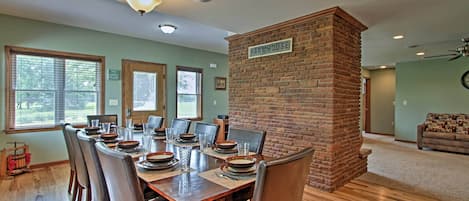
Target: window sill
34, 130
31, 130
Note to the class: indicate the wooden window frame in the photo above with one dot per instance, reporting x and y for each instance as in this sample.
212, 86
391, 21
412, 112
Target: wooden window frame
9, 50
200, 107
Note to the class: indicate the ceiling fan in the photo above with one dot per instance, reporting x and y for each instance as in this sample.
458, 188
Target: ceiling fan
462, 51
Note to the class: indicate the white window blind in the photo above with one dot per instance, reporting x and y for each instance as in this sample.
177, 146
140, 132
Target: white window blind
189, 93
48, 89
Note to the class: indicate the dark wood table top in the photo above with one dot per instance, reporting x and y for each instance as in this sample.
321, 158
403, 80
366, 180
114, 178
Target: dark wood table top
189, 186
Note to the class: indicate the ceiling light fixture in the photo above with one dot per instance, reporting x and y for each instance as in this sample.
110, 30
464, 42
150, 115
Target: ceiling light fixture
397, 37
382, 67
420, 53
143, 6
167, 28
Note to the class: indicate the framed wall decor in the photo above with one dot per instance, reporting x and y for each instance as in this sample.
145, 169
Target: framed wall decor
220, 83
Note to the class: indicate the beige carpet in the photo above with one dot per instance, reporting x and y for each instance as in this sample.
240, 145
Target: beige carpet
400, 165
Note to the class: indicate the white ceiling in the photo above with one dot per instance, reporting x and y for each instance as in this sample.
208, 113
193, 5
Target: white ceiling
435, 25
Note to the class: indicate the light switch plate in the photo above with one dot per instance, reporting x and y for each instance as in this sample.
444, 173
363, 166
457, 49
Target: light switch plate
113, 102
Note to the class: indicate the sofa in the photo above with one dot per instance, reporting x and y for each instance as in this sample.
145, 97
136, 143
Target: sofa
444, 132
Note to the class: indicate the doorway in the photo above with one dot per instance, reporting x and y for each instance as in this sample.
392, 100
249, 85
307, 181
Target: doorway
143, 90
367, 107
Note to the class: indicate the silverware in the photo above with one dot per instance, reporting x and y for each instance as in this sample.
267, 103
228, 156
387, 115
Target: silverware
221, 175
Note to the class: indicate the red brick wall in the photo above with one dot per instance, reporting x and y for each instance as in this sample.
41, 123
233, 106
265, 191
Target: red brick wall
309, 97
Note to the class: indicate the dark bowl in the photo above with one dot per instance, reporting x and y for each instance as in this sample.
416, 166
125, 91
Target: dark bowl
108, 136
91, 128
187, 136
229, 144
160, 157
241, 161
128, 144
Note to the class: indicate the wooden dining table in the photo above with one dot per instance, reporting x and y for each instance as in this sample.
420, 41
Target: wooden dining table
191, 185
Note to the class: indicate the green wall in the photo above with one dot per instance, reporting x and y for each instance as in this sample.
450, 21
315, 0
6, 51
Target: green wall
383, 90
428, 86
49, 146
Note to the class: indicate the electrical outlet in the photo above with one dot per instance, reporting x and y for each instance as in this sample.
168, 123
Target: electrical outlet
214, 102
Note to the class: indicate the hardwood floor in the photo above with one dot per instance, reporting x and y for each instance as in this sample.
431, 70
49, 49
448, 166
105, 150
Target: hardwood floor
50, 184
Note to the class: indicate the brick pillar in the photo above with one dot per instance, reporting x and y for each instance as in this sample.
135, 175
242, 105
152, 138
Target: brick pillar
309, 97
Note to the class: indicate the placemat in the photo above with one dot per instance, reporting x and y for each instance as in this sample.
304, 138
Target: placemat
154, 175
212, 153
225, 182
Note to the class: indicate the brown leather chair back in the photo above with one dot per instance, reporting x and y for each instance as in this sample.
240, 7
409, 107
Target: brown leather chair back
255, 138
182, 125
109, 118
120, 174
95, 171
155, 121
283, 178
208, 129
80, 165
69, 146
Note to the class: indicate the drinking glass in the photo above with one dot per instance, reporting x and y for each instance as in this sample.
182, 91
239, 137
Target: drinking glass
202, 141
185, 158
146, 144
95, 123
129, 124
243, 148
121, 132
146, 128
129, 134
169, 135
106, 127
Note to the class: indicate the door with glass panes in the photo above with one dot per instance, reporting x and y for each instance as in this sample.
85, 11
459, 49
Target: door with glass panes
143, 90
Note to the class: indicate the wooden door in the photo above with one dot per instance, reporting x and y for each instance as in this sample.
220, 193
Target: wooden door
143, 90
367, 105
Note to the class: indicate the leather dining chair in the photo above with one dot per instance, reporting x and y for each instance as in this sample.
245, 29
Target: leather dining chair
120, 174
95, 171
255, 138
181, 125
110, 118
82, 178
283, 178
208, 129
71, 161
155, 121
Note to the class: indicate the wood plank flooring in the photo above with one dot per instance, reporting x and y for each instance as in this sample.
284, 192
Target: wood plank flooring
50, 184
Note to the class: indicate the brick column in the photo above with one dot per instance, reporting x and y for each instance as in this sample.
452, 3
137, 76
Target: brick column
309, 97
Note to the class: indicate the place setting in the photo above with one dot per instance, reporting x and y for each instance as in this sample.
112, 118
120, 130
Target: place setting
162, 164
234, 172
226, 149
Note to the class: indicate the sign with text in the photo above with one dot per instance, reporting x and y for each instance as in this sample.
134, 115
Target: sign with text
272, 48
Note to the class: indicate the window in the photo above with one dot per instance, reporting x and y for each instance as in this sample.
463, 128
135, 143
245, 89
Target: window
45, 88
189, 93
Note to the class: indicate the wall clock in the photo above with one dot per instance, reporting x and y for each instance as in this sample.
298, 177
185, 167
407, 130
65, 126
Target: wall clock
465, 79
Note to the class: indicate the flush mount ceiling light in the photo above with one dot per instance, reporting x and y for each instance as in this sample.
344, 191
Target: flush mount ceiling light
420, 53
167, 28
143, 6
397, 37
382, 67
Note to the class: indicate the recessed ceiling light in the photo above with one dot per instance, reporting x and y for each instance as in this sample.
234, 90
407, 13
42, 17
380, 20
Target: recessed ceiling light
382, 67
420, 53
167, 28
397, 37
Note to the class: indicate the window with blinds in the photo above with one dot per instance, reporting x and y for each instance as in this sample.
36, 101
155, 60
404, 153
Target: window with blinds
189, 93
45, 88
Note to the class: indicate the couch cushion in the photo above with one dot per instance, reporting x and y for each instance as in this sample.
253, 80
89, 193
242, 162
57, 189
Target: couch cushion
462, 137
449, 136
